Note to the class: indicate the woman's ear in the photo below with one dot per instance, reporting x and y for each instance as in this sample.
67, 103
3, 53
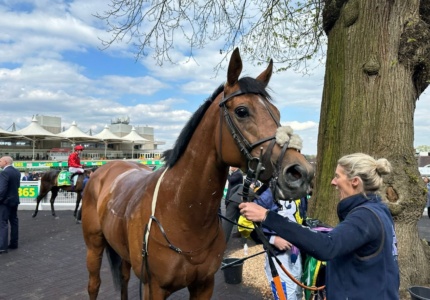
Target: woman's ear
355, 181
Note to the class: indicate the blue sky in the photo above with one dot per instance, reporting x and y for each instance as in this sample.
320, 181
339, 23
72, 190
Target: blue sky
51, 64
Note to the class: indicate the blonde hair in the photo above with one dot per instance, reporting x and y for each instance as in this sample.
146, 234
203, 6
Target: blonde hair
365, 167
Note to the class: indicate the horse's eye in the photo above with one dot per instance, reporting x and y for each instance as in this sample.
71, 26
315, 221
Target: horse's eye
241, 112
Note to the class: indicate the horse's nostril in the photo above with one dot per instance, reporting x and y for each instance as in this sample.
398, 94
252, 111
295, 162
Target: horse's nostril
293, 173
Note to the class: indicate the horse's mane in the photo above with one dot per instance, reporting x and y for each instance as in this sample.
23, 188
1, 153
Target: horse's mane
246, 84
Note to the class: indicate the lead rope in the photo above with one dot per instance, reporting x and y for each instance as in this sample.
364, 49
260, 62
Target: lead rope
271, 253
261, 236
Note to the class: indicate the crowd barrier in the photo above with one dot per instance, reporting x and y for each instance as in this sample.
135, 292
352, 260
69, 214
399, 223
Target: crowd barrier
29, 190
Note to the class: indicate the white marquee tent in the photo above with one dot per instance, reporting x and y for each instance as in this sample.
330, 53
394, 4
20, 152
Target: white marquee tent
35, 132
107, 137
134, 138
74, 134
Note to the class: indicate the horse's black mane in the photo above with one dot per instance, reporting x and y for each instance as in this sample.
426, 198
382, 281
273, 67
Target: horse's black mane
247, 85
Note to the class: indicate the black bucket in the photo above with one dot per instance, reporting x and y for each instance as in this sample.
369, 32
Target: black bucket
233, 273
419, 293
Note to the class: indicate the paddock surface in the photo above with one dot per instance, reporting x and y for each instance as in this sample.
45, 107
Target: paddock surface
50, 264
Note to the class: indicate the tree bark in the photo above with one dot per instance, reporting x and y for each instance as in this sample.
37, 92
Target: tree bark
378, 63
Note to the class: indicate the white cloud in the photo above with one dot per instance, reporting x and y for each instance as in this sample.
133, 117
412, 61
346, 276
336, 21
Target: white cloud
50, 64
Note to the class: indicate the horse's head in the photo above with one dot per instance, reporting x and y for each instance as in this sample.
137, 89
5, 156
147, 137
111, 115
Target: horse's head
252, 121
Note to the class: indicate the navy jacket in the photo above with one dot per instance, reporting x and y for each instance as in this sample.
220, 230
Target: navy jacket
233, 179
10, 179
361, 250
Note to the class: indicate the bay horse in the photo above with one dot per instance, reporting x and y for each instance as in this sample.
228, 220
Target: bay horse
164, 224
48, 183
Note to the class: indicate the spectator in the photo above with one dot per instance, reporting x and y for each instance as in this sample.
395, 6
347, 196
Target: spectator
427, 182
25, 177
10, 179
235, 178
84, 183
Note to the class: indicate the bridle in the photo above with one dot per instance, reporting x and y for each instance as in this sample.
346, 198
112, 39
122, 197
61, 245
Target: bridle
244, 145
258, 167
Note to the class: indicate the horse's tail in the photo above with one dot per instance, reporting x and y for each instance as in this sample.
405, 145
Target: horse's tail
115, 266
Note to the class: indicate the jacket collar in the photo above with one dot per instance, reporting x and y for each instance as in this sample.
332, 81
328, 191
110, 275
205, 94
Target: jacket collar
351, 202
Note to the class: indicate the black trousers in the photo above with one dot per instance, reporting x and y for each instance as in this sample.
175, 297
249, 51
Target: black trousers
14, 225
232, 212
4, 226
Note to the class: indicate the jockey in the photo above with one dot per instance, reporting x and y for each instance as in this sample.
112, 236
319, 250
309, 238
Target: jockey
74, 162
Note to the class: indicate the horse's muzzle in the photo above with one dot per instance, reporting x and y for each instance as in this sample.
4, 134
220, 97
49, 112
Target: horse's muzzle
294, 182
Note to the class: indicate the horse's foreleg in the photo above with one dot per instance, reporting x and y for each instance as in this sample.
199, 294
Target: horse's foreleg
202, 290
78, 201
79, 216
54, 193
125, 277
38, 199
154, 291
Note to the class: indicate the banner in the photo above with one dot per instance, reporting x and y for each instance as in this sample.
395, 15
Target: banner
28, 190
22, 165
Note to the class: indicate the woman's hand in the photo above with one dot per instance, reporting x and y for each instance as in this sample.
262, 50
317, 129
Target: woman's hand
282, 244
252, 211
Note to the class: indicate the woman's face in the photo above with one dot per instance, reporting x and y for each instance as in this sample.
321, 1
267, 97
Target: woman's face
346, 187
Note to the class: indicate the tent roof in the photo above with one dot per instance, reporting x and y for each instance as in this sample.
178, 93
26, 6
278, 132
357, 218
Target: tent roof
4, 133
108, 136
134, 137
34, 130
75, 134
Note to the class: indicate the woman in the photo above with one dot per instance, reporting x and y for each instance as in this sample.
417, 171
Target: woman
361, 251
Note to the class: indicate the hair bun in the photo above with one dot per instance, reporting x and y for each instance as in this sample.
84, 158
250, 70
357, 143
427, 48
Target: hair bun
383, 166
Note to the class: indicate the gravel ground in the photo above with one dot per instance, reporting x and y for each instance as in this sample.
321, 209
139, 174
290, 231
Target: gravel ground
253, 274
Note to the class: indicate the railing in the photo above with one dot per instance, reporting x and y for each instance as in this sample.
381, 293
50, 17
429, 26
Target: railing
29, 190
24, 165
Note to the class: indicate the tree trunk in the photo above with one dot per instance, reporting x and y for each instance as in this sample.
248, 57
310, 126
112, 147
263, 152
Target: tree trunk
377, 66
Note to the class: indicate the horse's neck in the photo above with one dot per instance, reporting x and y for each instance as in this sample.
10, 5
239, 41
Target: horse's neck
199, 174
200, 182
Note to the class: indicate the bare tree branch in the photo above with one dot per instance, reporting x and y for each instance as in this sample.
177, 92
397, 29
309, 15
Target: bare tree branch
288, 31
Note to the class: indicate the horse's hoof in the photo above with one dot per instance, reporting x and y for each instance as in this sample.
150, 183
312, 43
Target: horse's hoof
33, 215
78, 221
74, 214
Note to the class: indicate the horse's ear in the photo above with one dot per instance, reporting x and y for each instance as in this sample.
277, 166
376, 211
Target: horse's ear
265, 76
234, 68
